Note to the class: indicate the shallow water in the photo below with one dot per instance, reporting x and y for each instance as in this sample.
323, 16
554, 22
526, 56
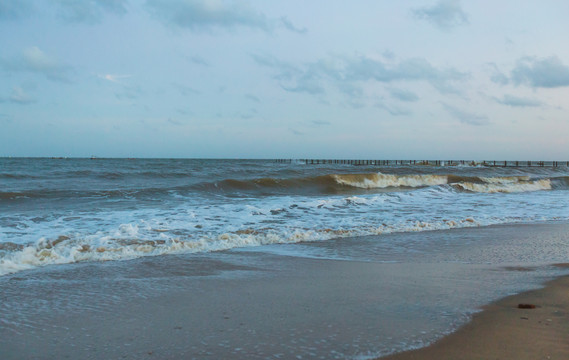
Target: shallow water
344, 298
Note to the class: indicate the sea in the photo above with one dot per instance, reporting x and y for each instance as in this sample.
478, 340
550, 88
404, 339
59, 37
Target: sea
56, 211
61, 216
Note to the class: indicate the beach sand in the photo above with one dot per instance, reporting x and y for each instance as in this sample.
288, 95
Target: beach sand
259, 305
504, 331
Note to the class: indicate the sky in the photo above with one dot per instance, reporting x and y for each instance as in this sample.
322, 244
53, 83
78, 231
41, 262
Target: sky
377, 79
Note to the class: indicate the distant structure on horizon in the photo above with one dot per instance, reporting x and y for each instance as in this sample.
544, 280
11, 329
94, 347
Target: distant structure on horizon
492, 163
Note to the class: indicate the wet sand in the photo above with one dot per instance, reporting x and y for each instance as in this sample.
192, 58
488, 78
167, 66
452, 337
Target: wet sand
505, 331
263, 305
282, 308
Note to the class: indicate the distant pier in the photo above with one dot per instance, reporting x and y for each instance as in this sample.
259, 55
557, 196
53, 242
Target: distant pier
491, 163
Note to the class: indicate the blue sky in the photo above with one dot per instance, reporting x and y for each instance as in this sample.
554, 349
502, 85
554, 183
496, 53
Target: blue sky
262, 79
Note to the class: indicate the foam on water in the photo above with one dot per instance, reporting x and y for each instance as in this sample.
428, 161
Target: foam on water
504, 179
196, 227
370, 181
77, 210
507, 186
69, 250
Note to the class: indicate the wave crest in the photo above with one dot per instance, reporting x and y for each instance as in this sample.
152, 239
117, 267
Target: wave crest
382, 181
70, 249
506, 186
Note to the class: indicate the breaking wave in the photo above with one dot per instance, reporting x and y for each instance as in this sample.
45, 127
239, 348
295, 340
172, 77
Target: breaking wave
126, 243
324, 184
374, 181
506, 186
335, 183
58, 212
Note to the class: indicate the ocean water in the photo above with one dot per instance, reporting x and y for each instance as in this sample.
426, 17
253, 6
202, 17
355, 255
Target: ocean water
347, 262
58, 211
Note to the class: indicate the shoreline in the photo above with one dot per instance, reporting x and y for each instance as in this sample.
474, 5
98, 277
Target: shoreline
338, 299
502, 330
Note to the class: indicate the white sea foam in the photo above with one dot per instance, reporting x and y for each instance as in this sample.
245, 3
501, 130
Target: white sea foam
507, 186
258, 224
202, 223
371, 181
504, 179
105, 248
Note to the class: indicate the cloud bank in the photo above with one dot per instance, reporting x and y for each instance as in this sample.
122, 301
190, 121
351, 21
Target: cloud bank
348, 74
545, 73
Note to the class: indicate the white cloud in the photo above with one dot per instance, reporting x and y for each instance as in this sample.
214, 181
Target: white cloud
34, 60
114, 78
393, 109
207, 14
545, 73
287, 24
348, 74
534, 72
497, 75
515, 101
445, 15
403, 95
19, 96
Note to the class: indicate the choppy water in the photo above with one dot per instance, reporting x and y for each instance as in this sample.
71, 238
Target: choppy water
55, 211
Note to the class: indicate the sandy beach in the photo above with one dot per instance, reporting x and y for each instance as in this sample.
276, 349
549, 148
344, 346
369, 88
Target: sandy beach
248, 304
503, 330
